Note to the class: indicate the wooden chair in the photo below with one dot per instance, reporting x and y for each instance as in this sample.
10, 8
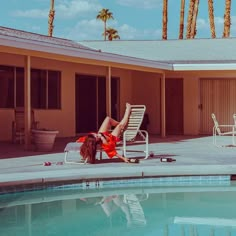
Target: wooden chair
18, 125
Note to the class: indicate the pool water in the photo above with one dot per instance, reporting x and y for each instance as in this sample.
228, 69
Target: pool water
161, 210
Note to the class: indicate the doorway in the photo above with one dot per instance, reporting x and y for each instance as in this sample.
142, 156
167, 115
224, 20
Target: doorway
216, 96
90, 104
174, 106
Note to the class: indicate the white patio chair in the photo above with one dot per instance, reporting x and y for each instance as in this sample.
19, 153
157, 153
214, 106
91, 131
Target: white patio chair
219, 130
234, 117
131, 135
74, 147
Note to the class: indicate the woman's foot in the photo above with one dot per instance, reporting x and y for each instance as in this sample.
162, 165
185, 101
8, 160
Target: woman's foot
128, 106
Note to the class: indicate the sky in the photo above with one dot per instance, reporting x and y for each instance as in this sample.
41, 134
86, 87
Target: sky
133, 19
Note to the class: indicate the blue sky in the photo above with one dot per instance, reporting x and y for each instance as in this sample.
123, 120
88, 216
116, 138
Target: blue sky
134, 19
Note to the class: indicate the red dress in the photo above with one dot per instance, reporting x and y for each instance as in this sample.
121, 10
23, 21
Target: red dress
109, 147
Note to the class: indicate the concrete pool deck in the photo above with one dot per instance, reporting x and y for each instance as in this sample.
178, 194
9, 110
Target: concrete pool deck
194, 156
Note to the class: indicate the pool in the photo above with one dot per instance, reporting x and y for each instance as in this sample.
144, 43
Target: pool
169, 209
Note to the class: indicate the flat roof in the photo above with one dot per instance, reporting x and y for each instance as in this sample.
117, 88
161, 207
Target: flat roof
186, 54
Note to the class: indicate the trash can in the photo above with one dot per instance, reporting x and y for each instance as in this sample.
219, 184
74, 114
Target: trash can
145, 122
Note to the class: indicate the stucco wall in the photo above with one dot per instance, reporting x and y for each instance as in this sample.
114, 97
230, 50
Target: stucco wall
62, 119
136, 87
146, 90
190, 100
191, 95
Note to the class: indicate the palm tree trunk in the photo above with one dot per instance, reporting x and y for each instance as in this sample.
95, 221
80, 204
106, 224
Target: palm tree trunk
51, 19
211, 18
227, 21
190, 17
194, 20
181, 24
165, 19
105, 30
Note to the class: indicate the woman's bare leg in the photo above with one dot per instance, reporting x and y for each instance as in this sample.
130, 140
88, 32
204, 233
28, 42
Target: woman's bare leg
107, 124
117, 131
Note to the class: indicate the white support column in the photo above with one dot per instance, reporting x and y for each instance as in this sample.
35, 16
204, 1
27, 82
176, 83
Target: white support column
108, 91
163, 106
27, 102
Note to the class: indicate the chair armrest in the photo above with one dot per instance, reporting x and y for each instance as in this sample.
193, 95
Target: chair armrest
226, 126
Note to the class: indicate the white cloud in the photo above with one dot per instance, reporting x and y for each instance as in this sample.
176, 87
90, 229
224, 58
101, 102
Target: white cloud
86, 30
219, 20
76, 8
93, 30
127, 32
204, 25
32, 13
147, 4
64, 9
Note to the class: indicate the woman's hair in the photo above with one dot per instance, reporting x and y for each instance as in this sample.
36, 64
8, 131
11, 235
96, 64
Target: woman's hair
89, 148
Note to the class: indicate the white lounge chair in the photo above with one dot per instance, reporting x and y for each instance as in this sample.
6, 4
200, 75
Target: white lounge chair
74, 147
132, 134
137, 217
222, 130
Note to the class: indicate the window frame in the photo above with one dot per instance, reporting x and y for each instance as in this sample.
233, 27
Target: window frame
16, 86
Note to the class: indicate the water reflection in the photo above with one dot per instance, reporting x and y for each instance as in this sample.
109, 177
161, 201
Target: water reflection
168, 211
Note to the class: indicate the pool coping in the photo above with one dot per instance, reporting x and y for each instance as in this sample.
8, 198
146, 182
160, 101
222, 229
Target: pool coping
194, 156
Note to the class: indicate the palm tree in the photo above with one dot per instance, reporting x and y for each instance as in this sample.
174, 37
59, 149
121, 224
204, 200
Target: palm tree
51, 19
105, 15
112, 34
227, 21
211, 18
190, 17
181, 24
164, 19
194, 19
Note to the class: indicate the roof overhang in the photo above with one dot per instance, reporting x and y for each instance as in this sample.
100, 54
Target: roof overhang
68, 51
204, 67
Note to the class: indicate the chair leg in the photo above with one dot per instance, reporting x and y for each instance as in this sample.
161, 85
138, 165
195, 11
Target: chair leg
233, 140
73, 162
146, 144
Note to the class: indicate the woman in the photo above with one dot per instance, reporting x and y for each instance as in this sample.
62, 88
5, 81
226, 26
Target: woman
106, 139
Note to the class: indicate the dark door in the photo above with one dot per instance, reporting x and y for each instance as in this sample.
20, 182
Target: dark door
86, 109
91, 101
174, 106
115, 99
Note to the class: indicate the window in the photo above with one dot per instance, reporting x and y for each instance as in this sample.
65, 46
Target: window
20, 87
45, 88
6, 87
38, 88
54, 90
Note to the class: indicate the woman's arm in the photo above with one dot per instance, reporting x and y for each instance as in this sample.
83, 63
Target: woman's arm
122, 158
